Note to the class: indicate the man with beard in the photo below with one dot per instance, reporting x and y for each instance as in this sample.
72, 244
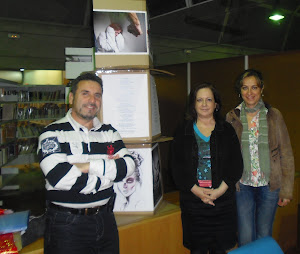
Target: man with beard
81, 158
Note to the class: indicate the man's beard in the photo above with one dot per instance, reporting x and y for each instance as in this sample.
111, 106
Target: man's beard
87, 117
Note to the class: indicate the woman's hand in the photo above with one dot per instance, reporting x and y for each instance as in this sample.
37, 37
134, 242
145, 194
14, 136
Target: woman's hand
214, 193
201, 193
283, 201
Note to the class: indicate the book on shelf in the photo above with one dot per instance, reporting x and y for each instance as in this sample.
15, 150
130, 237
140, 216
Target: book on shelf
20, 132
3, 135
36, 130
8, 111
10, 131
4, 155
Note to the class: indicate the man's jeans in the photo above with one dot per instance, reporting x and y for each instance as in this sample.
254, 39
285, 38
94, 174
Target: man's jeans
67, 233
256, 208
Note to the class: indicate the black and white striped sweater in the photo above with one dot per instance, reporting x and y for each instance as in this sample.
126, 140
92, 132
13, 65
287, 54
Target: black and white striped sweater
66, 142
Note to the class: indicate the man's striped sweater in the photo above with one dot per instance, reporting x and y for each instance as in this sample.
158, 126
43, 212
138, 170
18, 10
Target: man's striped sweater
66, 142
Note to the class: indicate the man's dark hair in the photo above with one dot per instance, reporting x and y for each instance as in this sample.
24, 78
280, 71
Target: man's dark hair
85, 76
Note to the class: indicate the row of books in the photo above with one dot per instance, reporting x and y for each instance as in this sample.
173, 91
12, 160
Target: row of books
27, 146
25, 96
28, 111
10, 132
30, 130
7, 133
7, 95
47, 110
10, 151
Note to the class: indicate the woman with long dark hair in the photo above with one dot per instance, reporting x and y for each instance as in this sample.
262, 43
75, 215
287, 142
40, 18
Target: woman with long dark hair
207, 163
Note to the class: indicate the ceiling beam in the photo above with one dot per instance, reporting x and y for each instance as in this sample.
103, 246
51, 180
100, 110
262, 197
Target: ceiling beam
262, 3
181, 9
289, 28
188, 3
225, 22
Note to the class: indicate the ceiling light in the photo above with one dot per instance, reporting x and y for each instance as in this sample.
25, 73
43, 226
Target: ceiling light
13, 36
276, 16
22, 69
187, 51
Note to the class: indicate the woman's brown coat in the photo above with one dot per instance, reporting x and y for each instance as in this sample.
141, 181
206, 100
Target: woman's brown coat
281, 154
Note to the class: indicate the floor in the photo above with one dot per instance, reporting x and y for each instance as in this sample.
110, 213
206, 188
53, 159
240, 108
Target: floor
293, 251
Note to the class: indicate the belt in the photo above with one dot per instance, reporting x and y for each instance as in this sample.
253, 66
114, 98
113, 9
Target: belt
82, 211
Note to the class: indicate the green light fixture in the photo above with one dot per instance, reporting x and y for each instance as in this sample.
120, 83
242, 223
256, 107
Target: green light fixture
276, 16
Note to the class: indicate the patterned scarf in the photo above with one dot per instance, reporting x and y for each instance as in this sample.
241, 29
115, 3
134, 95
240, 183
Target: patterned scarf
263, 144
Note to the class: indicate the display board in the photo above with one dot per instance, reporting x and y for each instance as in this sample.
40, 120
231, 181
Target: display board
124, 104
142, 191
155, 116
129, 45
130, 104
120, 32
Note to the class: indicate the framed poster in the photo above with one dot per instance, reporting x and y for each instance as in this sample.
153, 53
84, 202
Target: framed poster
120, 32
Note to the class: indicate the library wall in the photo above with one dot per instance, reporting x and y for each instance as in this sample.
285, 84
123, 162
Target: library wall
172, 93
46, 77
24, 111
222, 73
15, 76
282, 91
282, 88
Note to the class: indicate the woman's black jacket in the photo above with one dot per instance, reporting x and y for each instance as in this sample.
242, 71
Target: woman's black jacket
226, 158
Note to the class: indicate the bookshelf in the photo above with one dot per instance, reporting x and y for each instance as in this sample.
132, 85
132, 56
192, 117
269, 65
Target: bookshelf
24, 111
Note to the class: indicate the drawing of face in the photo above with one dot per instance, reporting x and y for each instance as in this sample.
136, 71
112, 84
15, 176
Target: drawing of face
128, 185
